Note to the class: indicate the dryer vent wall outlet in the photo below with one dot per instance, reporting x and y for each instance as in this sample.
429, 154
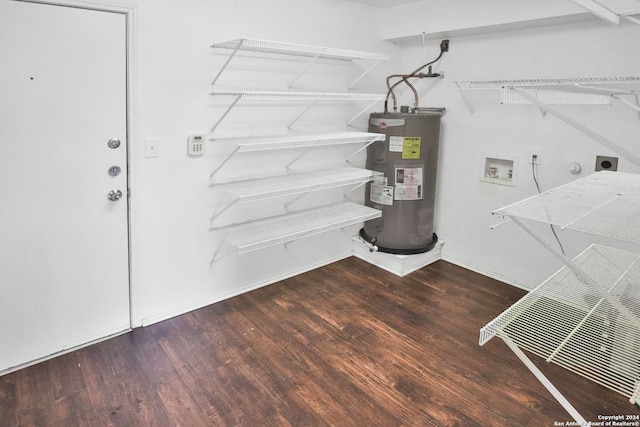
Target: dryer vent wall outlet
606, 163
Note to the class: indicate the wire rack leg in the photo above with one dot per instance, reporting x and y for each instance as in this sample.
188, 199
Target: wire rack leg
546, 383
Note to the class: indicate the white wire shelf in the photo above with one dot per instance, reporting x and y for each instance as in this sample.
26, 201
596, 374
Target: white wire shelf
279, 96
294, 49
566, 322
289, 142
298, 96
297, 183
552, 82
571, 90
292, 184
267, 46
574, 90
604, 204
303, 141
287, 228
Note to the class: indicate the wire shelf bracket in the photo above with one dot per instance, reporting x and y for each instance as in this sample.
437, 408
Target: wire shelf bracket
611, 11
618, 95
597, 9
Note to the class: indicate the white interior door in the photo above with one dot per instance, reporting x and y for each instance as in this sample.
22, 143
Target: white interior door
64, 275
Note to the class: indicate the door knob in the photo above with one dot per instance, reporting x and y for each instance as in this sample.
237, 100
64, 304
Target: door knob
115, 195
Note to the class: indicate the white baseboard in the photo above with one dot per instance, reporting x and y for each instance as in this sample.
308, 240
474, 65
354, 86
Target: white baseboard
167, 315
494, 275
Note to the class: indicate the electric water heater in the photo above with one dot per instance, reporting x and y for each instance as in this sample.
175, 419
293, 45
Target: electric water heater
405, 192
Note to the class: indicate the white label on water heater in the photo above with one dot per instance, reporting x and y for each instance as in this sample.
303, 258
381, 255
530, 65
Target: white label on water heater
396, 143
408, 184
408, 192
381, 194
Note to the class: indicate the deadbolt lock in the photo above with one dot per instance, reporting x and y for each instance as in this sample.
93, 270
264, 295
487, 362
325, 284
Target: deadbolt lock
115, 170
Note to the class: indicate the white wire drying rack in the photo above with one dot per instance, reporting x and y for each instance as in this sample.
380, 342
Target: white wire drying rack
586, 317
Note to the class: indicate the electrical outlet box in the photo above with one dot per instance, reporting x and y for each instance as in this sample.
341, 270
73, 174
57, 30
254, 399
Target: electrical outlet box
535, 158
606, 163
196, 145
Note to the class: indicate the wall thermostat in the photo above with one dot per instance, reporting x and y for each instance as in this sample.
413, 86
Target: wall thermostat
196, 145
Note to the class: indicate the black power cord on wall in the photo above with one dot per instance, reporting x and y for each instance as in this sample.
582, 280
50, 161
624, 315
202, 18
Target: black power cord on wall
535, 179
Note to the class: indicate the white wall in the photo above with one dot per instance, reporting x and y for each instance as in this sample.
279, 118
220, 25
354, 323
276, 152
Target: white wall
464, 204
172, 244
172, 201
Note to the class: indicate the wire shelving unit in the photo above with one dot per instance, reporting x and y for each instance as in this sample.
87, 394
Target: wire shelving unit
282, 229
585, 317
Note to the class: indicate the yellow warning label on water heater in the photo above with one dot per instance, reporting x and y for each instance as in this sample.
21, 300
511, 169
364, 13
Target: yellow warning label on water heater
411, 147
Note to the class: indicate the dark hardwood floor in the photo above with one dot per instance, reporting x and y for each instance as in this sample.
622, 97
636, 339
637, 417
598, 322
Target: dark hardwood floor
344, 345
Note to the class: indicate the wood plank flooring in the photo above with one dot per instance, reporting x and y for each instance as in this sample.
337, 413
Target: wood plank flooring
344, 345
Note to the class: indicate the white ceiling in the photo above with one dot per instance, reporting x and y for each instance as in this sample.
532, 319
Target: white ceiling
385, 4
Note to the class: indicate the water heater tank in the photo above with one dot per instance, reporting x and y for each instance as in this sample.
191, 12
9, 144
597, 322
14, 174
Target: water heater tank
405, 193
